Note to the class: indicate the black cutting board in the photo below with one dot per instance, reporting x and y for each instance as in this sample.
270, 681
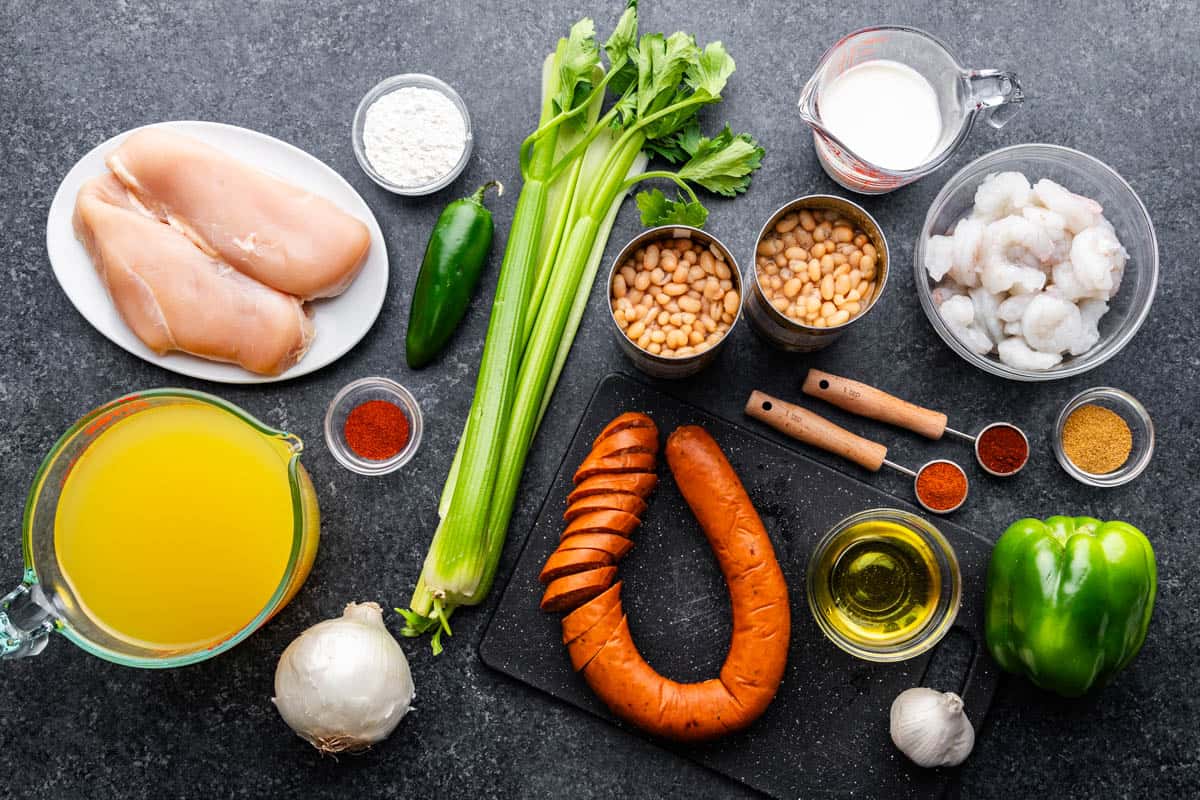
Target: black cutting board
826, 733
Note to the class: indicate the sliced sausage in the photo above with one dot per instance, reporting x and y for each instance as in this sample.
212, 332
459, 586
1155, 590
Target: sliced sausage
613, 544
758, 595
568, 562
570, 591
630, 440
614, 465
584, 647
630, 419
629, 503
639, 483
583, 618
617, 522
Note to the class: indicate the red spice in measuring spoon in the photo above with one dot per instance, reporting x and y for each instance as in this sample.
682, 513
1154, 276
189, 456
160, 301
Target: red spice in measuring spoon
941, 486
1001, 449
377, 430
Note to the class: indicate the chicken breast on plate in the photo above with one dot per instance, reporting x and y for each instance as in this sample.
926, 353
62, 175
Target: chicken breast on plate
277, 233
175, 297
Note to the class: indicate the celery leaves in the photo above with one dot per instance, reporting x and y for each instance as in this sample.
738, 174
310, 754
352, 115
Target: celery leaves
579, 57
722, 164
658, 209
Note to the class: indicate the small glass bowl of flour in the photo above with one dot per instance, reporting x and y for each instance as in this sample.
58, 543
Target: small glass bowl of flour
412, 134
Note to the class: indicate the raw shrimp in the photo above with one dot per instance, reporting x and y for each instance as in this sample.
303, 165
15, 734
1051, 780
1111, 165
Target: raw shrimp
944, 291
1090, 311
1051, 324
1013, 250
1028, 273
1098, 259
1014, 352
939, 256
1012, 309
1064, 283
986, 307
1079, 212
958, 312
1001, 194
968, 236
1055, 226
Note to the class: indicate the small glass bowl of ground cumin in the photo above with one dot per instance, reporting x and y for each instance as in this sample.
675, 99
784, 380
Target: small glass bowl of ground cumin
373, 426
1103, 437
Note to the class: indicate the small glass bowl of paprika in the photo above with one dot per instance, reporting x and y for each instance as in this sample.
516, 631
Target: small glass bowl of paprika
373, 426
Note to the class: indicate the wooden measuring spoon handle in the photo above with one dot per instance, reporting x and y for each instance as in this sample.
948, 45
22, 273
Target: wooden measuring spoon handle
805, 426
867, 401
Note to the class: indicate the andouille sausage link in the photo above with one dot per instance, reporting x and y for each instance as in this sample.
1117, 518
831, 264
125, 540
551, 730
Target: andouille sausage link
758, 648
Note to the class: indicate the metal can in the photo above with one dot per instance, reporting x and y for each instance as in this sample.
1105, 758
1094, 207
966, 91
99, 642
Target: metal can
780, 329
659, 366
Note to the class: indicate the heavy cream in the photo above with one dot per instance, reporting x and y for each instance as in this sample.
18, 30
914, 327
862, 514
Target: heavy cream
885, 112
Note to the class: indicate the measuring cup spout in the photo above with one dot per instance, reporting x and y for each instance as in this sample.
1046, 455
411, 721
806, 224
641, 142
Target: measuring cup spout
996, 94
26, 620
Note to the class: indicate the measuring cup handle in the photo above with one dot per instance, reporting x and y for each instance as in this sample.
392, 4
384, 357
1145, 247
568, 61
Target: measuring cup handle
26, 620
996, 94
805, 426
867, 401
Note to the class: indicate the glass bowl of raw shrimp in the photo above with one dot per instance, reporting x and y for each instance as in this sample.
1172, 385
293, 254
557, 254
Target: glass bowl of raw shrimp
1082, 175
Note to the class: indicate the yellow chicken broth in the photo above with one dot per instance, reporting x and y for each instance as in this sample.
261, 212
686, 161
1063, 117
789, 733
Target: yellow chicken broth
175, 527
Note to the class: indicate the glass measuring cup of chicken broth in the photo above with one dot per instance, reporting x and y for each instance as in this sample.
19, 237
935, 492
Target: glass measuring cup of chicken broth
890, 104
162, 529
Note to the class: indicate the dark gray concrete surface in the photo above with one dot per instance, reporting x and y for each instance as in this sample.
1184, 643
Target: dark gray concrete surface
1114, 79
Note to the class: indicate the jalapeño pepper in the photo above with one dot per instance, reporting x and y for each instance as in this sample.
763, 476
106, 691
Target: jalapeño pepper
454, 258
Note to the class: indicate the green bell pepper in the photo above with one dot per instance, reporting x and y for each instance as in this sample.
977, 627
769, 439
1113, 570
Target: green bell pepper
1068, 600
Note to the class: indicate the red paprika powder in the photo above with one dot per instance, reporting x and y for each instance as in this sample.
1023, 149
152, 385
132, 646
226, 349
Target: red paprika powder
376, 430
941, 485
1002, 449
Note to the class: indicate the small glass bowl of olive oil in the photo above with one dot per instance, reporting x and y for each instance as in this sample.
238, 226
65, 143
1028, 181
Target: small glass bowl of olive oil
884, 585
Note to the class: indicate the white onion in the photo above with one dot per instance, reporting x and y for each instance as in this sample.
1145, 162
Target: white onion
344, 684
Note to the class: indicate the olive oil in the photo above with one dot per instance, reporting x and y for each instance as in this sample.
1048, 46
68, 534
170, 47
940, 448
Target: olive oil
882, 585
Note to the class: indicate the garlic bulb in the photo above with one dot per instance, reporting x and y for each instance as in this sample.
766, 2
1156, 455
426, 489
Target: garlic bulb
931, 728
344, 683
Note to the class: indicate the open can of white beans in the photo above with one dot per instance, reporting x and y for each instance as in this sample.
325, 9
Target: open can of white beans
675, 294
773, 315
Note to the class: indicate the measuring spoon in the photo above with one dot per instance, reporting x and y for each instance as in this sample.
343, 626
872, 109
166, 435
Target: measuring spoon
867, 401
813, 429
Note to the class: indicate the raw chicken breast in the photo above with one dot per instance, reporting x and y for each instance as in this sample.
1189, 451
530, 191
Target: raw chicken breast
279, 234
175, 297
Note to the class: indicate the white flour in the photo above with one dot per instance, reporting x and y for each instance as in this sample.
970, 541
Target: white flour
413, 136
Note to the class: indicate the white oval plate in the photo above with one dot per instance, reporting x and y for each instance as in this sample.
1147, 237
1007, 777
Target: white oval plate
341, 322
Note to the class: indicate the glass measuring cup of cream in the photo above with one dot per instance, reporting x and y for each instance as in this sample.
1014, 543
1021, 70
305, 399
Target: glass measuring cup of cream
162, 529
890, 104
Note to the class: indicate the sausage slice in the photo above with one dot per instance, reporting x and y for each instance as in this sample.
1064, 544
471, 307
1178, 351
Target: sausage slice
639, 483
617, 522
570, 591
568, 562
611, 543
583, 618
630, 419
614, 501
584, 647
614, 465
